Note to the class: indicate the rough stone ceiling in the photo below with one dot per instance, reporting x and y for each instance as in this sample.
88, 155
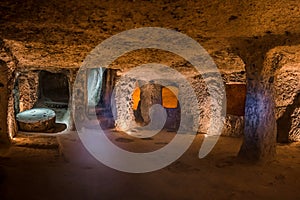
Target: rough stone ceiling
61, 33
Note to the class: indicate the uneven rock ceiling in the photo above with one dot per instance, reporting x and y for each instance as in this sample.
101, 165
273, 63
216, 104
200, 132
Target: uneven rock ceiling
61, 33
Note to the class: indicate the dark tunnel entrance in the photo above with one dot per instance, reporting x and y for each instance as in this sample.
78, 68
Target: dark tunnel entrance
54, 89
54, 93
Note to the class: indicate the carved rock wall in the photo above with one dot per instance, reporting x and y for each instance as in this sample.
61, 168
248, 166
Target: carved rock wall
287, 92
4, 138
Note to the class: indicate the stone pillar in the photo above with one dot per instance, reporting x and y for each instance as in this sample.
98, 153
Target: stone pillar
71, 79
79, 99
109, 81
260, 124
4, 136
150, 95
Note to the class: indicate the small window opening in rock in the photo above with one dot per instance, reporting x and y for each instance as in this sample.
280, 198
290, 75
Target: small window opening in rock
136, 105
136, 97
169, 97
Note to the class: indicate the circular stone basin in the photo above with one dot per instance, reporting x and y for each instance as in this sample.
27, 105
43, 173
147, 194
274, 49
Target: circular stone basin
36, 119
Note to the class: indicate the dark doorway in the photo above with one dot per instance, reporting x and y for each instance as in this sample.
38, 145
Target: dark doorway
100, 85
54, 89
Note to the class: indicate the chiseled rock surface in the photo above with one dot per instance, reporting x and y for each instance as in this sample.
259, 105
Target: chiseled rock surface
287, 91
234, 126
47, 56
3, 103
294, 134
27, 91
42, 39
11, 63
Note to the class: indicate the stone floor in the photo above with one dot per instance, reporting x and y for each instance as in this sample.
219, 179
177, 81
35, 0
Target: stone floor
45, 167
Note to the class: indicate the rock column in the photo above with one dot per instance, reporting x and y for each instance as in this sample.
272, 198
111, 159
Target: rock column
4, 138
150, 95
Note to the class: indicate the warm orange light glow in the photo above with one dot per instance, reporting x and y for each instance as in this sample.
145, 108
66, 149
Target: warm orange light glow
136, 97
169, 97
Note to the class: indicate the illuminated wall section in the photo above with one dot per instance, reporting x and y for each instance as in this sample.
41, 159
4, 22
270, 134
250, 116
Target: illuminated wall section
136, 97
169, 97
